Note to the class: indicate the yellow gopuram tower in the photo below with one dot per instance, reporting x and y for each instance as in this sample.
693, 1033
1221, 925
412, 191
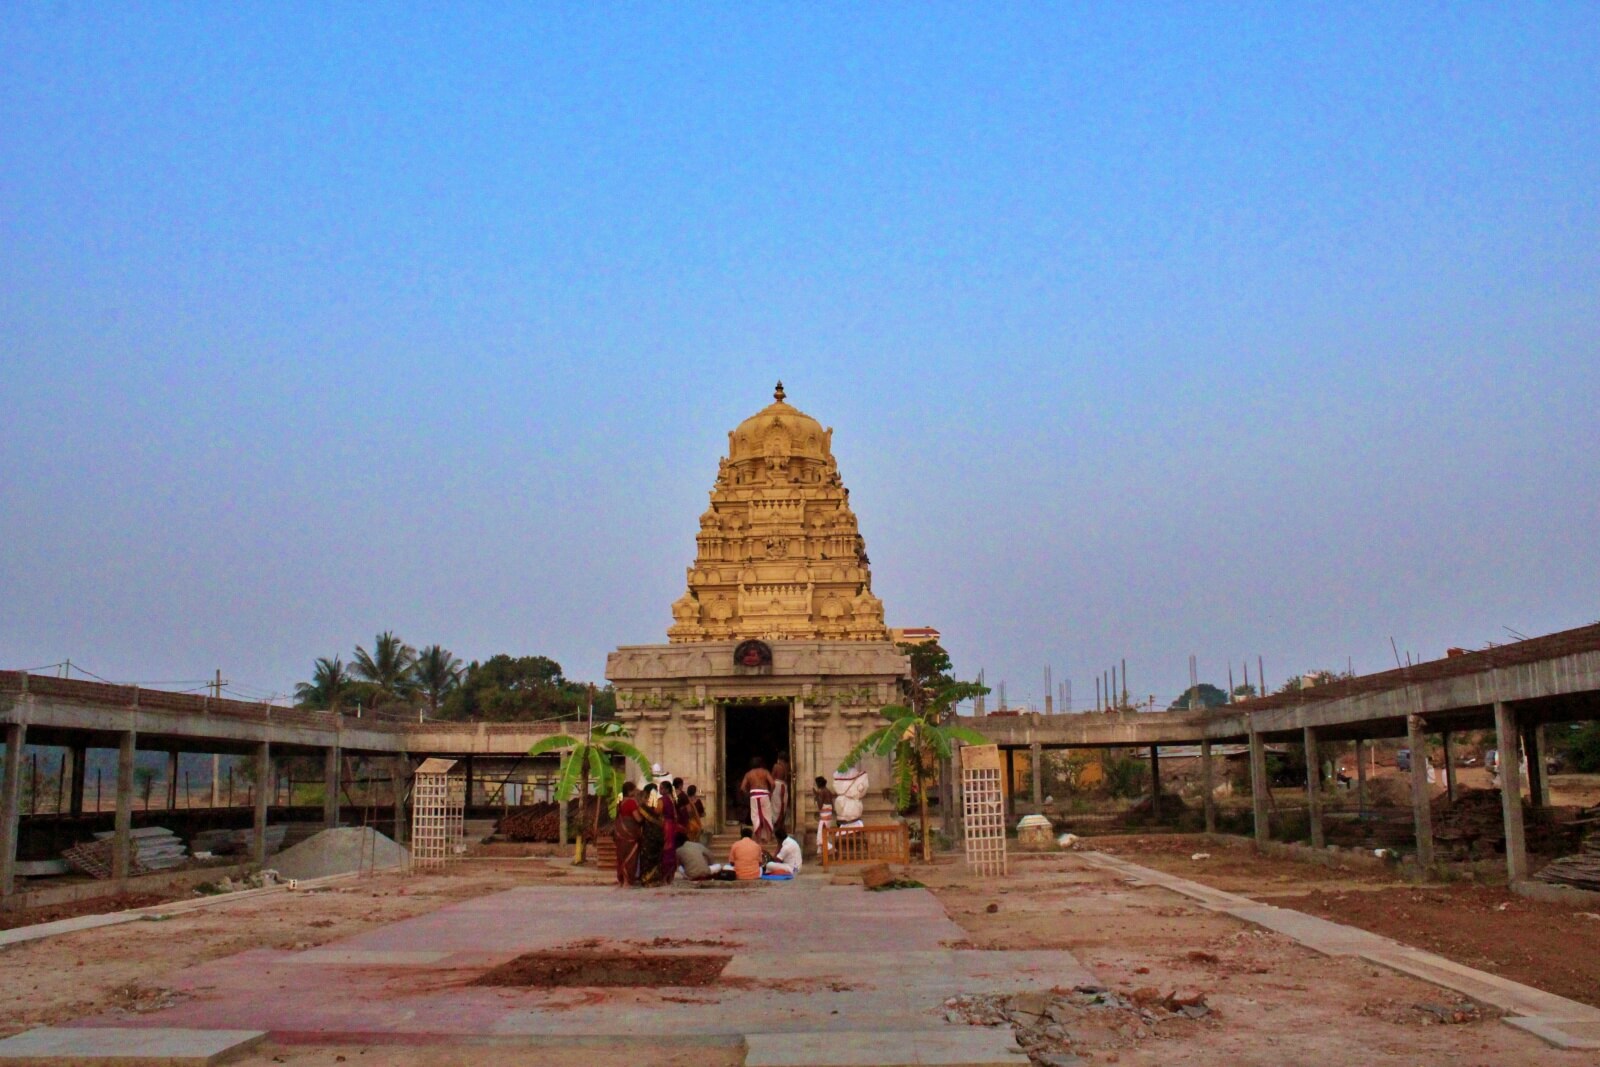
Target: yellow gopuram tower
778, 554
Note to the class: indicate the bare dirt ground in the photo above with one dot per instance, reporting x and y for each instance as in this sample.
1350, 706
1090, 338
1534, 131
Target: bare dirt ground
1272, 1000
77, 974
1555, 947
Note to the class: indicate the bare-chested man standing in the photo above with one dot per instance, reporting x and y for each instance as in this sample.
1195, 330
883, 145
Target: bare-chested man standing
757, 786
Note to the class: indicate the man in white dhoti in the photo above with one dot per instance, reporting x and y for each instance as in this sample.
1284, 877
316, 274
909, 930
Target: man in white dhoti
788, 860
757, 786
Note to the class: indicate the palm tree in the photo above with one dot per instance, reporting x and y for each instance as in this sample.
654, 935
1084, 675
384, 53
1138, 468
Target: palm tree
592, 756
915, 736
329, 682
436, 672
387, 666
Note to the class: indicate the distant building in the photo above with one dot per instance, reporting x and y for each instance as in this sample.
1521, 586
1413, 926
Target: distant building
914, 635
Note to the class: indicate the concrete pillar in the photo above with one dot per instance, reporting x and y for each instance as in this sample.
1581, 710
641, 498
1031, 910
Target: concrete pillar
172, 781
122, 841
330, 786
79, 755
398, 768
1505, 731
1155, 783
15, 736
1361, 777
1314, 789
1449, 767
1036, 765
1260, 795
1208, 783
1538, 777
266, 785
1421, 810
1011, 783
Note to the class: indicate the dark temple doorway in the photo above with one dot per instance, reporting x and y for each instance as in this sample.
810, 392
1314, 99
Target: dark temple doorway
749, 730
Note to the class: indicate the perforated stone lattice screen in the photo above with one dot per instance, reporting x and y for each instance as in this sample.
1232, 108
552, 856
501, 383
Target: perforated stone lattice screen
983, 809
438, 809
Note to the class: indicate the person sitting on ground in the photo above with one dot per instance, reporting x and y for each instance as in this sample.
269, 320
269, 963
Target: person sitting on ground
745, 855
693, 858
788, 859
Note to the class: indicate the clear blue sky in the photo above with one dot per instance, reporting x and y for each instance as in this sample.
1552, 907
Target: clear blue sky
1146, 331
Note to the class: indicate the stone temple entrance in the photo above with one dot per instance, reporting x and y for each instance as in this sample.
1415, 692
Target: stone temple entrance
778, 641
749, 730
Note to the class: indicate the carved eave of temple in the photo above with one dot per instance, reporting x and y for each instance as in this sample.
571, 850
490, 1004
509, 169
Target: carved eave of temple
779, 555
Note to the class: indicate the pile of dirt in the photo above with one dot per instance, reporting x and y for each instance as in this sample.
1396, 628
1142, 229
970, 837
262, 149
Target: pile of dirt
542, 821
344, 850
600, 969
1055, 1028
1473, 826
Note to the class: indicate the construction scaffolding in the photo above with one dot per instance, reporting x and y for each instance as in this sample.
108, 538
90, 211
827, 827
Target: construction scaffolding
438, 811
983, 810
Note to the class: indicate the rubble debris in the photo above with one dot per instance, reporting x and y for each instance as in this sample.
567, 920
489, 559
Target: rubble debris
542, 822
878, 874
1054, 1028
1582, 869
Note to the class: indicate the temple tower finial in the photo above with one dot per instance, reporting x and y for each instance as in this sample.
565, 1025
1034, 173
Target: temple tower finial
777, 394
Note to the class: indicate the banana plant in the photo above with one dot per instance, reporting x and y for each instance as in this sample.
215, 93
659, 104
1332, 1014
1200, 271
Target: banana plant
592, 758
912, 737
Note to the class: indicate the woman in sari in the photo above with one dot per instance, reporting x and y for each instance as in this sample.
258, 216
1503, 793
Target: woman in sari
669, 836
693, 813
627, 834
650, 838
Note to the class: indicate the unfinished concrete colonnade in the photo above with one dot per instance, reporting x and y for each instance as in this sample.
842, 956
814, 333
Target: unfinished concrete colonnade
1517, 690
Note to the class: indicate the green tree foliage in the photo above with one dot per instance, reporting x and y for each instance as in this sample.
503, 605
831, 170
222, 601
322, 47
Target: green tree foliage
329, 687
1204, 695
387, 667
924, 733
593, 758
435, 674
1579, 747
1298, 682
521, 689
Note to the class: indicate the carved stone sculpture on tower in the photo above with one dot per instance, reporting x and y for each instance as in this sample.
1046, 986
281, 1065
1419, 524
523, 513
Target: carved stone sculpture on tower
778, 552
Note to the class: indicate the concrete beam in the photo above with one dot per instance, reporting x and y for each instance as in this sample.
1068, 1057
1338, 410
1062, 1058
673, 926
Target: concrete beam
1208, 783
122, 837
266, 785
1505, 730
1421, 809
1260, 789
1314, 789
330, 787
15, 736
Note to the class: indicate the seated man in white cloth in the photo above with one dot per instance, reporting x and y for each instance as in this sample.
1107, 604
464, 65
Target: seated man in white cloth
789, 858
757, 785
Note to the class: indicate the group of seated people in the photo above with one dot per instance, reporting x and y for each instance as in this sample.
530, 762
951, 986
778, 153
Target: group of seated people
658, 832
747, 860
